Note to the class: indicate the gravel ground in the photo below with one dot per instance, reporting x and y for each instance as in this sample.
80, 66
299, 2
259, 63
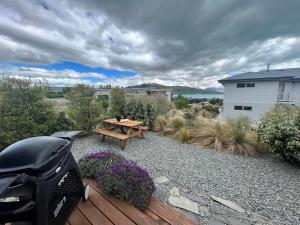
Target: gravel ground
262, 184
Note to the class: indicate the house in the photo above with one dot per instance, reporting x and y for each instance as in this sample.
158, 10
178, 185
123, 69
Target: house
105, 92
253, 93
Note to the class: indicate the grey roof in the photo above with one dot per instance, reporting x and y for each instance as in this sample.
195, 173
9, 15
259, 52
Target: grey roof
281, 74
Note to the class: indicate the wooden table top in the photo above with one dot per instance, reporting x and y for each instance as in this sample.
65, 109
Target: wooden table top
124, 122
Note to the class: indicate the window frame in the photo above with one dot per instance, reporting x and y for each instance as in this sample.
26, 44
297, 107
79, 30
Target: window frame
238, 107
249, 85
240, 85
249, 108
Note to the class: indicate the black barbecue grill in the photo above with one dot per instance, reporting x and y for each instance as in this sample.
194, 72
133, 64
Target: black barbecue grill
40, 183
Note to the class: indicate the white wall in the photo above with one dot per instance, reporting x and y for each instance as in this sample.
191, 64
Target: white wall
260, 98
295, 93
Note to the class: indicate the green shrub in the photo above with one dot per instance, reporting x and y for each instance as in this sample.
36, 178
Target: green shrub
117, 101
83, 107
62, 123
214, 109
23, 110
216, 101
140, 108
280, 128
181, 102
177, 122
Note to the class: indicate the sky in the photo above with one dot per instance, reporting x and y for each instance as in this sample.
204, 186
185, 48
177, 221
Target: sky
171, 42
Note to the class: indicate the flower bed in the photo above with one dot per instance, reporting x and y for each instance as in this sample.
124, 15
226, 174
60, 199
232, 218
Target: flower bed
122, 178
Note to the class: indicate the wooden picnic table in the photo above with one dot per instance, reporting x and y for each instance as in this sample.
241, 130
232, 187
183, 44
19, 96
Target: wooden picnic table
134, 128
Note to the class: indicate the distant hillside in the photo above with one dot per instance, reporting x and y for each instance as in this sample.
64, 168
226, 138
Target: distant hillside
180, 89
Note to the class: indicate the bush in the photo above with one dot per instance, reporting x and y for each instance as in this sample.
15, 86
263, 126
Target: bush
63, 123
23, 110
83, 107
183, 135
117, 102
189, 116
162, 103
95, 161
181, 102
216, 101
141, 108
280, 128
160, 124
122, 178
214, 109
241, 122
177, 122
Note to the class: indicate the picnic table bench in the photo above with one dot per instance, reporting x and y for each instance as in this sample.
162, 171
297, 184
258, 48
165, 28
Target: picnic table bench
134, 127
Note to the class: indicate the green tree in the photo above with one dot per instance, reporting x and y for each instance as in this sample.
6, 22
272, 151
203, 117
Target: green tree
117, 101
23, 110
181, 102
83, 107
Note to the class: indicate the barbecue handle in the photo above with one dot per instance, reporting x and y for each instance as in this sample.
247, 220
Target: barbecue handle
16, 212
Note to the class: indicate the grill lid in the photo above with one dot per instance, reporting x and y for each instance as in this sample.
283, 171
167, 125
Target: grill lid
30, 153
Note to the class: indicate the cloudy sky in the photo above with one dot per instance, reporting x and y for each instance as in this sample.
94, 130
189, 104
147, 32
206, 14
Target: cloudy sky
172, 42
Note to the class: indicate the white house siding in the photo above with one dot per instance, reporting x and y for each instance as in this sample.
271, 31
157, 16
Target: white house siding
260, 98
295, 93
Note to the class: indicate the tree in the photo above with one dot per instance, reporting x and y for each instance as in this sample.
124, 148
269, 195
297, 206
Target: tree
117, 101
23, 110
181, 102
83, 107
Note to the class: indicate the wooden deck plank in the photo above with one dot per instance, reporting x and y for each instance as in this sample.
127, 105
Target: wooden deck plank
110, 211
93, 214
170, 215
158, 219
77, 218
136, 215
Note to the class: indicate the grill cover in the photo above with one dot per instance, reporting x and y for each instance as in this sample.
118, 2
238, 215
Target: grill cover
32, 154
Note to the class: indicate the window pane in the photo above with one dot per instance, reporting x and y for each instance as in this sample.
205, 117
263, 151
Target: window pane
248, 108
250, 84
238, 107
240, 85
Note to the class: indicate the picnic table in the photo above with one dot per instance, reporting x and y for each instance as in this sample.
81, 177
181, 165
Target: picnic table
133, 127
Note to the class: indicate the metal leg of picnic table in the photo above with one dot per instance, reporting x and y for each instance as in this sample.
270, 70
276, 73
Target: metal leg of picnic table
122, 129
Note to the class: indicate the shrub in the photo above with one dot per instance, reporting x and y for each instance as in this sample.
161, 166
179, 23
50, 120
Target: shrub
63, 123
183, 135
122, 178
189, 116
197, 109
141, 108
214, 109
181, 102
241, 122
96, 161
83, 107
160, 124
23, 110
280, 128
117, 101
212, 135
177, 122
216, 101
162, 103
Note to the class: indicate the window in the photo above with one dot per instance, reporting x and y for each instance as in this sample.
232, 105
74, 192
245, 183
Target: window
248, 108
238, 107
250, 85
240, 85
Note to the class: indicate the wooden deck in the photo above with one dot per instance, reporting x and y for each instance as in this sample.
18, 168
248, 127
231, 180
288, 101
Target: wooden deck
103, 209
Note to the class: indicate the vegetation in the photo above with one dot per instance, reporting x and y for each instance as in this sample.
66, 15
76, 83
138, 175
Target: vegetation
181, 102
216, 101
140, 108
160, 124
63, 123
23, 111
183, 135
83, 107
162, 104
117, 102
280, 128
122, 178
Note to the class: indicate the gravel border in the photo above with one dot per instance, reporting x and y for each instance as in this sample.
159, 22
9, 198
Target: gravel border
262, 184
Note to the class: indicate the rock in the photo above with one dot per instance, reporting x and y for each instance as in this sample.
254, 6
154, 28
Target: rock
174, 191
184, 203
161, 180
203, 211
161, 194
215, 209
229, 204
218, 219
196, 198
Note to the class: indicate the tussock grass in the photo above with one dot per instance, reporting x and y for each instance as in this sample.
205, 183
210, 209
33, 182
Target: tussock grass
183, 135
160, 124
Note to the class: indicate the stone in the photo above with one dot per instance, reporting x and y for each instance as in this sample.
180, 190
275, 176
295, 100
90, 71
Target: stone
174, 191
203, 211
184, 203
196, 198
161, 180
215, 209
161, 194
229, 204
218, 219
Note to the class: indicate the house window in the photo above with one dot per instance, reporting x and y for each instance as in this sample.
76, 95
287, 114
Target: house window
240, 85
250, 85
238, 107
248, 108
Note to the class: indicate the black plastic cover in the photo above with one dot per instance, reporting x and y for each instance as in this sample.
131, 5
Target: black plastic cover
31, 153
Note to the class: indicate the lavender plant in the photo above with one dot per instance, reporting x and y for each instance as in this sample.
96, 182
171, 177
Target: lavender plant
126, 180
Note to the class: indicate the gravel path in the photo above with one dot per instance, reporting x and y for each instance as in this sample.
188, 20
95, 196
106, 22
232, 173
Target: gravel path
262, 184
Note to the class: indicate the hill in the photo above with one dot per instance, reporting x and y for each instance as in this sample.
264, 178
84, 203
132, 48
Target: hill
180, 89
